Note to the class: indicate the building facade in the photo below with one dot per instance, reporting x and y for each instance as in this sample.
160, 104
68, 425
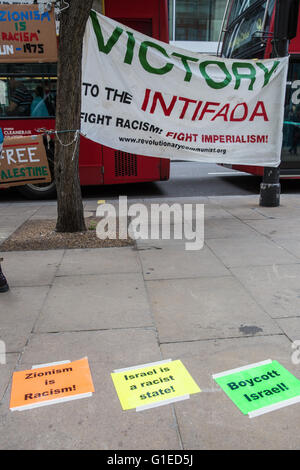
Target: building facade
193, 24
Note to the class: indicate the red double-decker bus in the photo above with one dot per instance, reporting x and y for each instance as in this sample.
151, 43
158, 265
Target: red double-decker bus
98, 165
248, 33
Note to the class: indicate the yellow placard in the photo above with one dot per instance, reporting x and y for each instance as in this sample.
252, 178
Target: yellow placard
153, 383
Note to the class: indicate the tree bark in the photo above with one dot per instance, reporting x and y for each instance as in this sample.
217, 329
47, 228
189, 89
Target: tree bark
68, 106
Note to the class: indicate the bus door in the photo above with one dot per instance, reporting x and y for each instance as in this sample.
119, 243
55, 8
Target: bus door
149, 18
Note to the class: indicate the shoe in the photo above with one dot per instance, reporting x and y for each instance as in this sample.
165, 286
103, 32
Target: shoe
4, 287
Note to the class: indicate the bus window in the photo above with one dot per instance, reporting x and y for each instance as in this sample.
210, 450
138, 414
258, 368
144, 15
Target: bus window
20, 98
29, 96
23, 93
245, 34
238, 8
3, 96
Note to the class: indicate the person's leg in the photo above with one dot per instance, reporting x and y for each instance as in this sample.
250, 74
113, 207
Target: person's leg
3, 282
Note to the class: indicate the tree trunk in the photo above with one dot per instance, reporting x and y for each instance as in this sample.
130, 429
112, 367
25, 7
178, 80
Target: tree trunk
68, 106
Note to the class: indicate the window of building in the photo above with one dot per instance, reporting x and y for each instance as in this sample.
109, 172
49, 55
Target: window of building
195, 20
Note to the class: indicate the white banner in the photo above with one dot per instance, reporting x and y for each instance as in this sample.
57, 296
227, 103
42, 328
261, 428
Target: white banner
143, 96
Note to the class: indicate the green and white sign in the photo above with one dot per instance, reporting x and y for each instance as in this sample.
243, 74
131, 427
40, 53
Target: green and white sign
144, 96
260, 388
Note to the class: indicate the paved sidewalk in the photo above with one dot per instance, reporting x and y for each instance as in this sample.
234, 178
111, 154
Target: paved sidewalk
233, 303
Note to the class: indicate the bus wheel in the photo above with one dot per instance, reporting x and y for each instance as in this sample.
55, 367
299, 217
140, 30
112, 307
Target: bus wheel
42, 190
38, 191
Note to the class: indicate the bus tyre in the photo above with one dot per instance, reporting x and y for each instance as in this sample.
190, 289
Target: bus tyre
32, 191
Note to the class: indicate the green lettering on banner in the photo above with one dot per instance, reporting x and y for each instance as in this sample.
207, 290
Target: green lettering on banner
238, 76
184, 60
259, 386
240, 70
106, 48
130, 48
144, 62
210, 82
267, 72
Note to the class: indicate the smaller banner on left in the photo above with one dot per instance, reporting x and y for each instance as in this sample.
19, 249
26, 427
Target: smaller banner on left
27, 34
23, 160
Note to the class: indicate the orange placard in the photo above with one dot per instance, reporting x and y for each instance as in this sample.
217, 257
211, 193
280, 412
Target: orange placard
51, 384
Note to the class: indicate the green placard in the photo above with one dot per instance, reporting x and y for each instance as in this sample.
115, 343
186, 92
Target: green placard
266, 384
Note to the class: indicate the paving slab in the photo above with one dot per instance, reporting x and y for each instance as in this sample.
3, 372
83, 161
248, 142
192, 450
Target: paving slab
206, 308
183, 207
45, 212
290, 200
291, 328
95, 302
99, 261
6, 369
145, 245
215, 211
252, 251
210, 420
245, 213
50, 212
9, 224
278, 228
157, 233
286, 210
245, 208
31, 268
19, 310
15, 220
174, 261
235, 201
291, 245
91, 204
18, 210
5, 205
97, 422
227, 228
276, 288
6, 232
